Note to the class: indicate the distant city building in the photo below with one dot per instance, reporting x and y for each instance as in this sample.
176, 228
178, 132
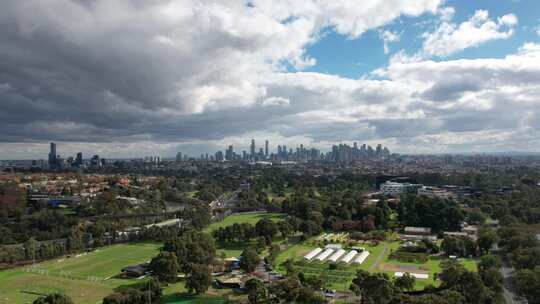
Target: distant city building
252, 149
79, 160
53, 157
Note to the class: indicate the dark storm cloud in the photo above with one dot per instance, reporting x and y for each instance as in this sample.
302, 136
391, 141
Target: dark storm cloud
192, 71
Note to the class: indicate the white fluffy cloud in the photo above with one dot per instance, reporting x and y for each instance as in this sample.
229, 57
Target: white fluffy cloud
142, 76
450, 38
387, 37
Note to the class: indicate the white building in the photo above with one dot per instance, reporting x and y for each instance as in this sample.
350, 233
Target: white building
393, 189
436, 192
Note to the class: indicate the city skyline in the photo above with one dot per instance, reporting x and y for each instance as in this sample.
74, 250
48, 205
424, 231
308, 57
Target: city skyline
340, 152
420, 77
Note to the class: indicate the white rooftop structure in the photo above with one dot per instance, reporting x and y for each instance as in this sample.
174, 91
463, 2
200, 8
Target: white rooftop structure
324, 255
337, 255
333, 246
312, 253
349, 256
422, 276
361, 257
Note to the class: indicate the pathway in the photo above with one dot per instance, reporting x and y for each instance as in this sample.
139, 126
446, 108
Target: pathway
379, 258
509, 296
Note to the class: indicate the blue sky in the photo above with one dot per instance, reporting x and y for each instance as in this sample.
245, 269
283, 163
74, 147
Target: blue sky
352, 58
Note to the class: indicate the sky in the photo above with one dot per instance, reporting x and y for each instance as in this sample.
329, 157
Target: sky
131, 78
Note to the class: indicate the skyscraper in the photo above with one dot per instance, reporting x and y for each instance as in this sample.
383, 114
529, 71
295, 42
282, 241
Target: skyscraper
252, 148
266, 148
79, 160
52, 157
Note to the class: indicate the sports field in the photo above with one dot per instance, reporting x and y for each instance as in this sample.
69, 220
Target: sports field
85, 278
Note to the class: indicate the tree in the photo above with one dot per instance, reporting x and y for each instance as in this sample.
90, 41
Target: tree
469, 284
405, 282
489, 261
54, 298
472, 288
285, 228
249, 259
31, 249
373, 288
266, 228
165, 266
307, 295
199, 279
150, 290
486, 238
527, 284
192, 247
451, 274
452, 296
256, 290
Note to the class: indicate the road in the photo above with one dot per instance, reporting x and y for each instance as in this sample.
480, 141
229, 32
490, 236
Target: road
509, 296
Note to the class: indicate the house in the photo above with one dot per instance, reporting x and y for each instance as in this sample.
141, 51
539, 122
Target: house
470, 230
417, 234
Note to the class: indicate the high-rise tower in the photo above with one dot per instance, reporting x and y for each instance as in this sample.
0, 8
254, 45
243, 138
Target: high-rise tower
52, 156
252, 148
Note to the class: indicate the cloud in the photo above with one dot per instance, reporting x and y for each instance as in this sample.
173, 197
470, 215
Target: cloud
387, 37
450, 38
276, 101
131, 78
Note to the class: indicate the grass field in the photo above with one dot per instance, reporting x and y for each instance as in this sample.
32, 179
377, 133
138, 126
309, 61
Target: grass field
246, 217
85, 278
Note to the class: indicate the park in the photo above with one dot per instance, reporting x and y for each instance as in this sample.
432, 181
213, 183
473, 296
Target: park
88, 277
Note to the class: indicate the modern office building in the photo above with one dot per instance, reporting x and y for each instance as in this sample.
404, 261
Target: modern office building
252, 148
393, 188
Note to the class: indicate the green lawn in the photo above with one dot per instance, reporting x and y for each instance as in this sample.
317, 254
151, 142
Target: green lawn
433, 265
340, 279
85, 278
247, 217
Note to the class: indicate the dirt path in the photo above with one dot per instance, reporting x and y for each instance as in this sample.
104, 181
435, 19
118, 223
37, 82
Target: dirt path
379, 258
